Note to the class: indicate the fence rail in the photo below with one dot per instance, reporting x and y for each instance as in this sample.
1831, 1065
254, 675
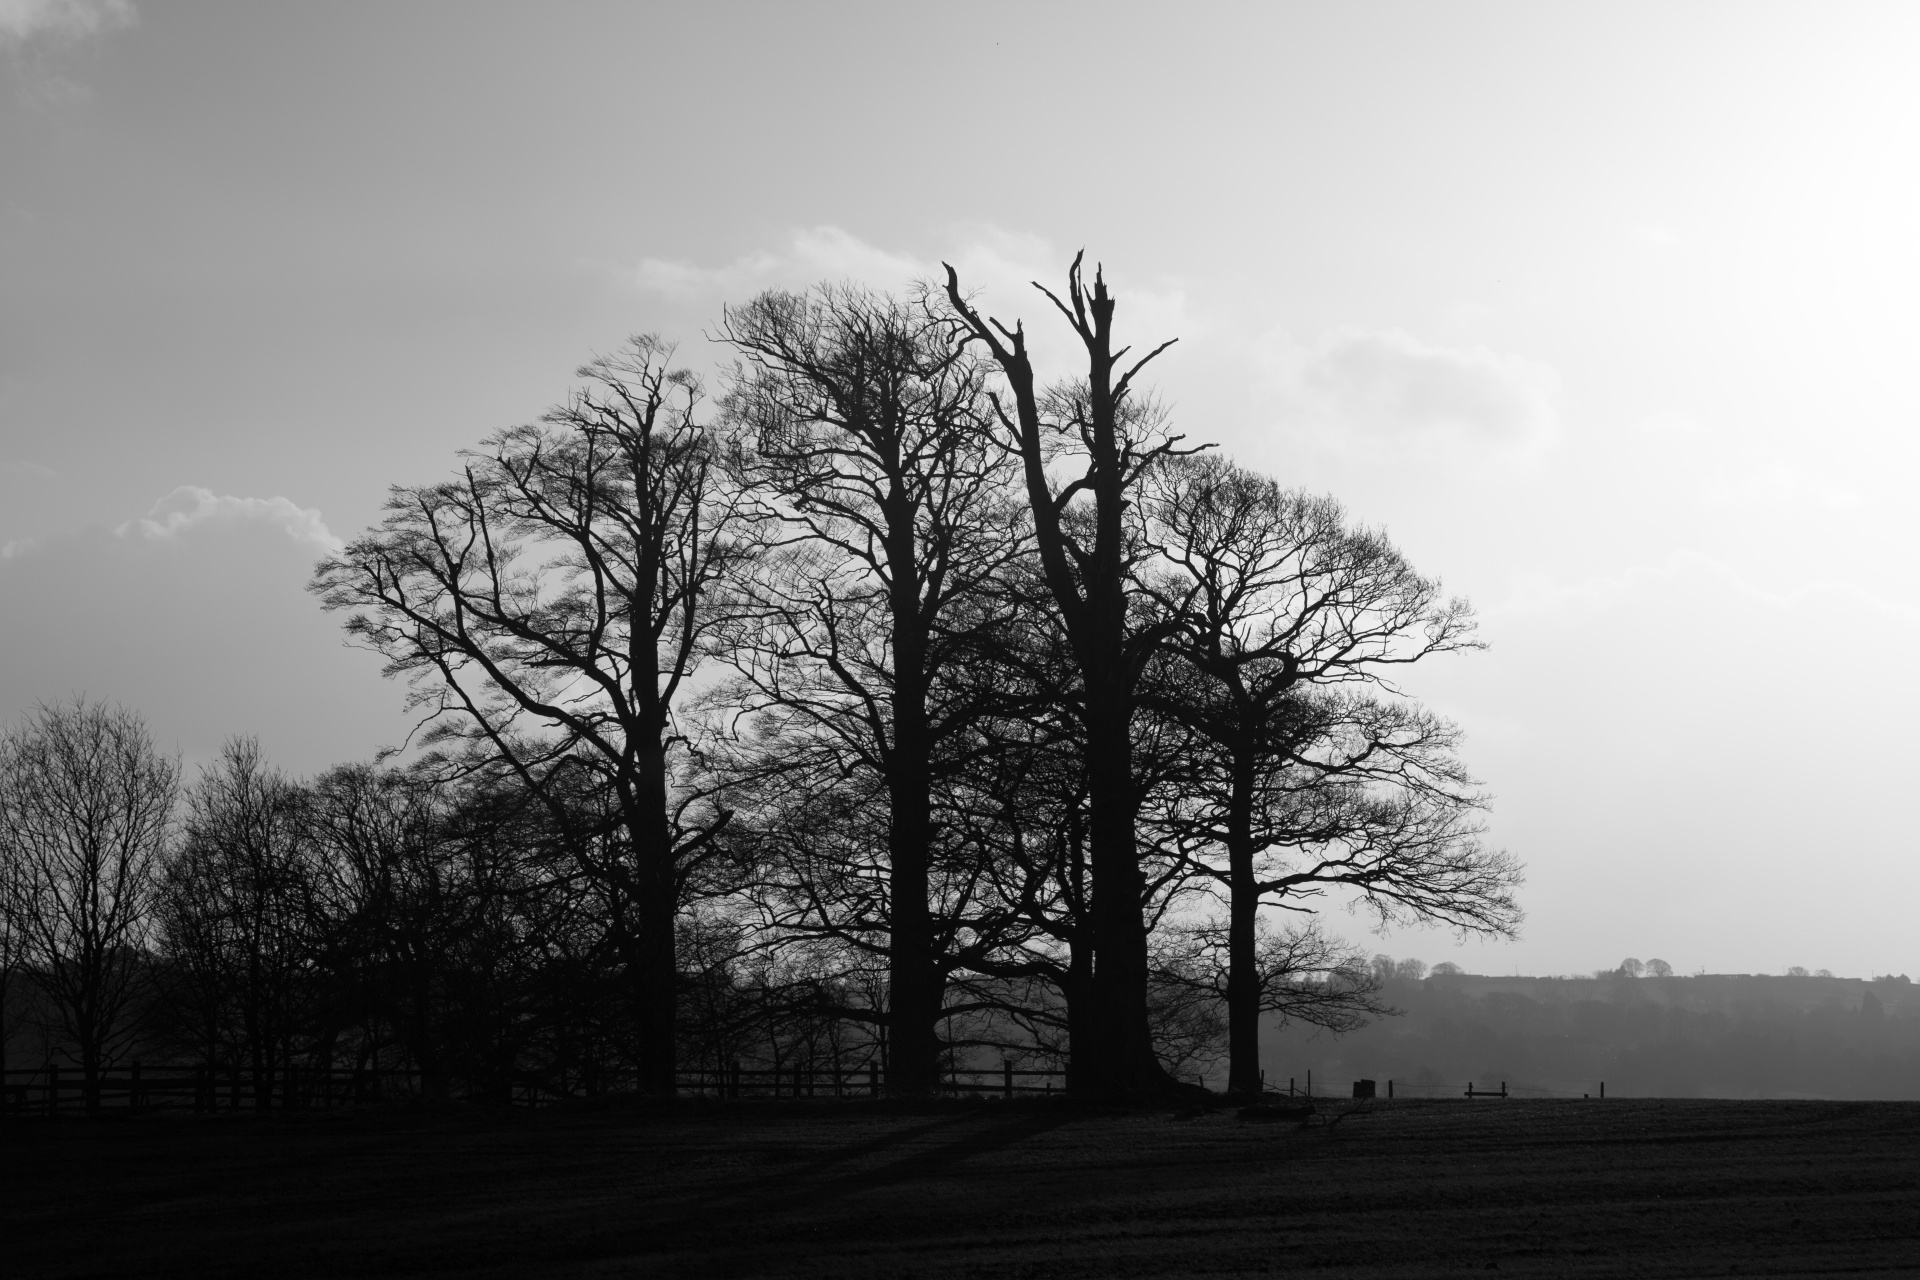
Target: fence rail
52, 1090
1429, 1089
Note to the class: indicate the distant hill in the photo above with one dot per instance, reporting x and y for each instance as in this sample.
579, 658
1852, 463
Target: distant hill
1709, 1036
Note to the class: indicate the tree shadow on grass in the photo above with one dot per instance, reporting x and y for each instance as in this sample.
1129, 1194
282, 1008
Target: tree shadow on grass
748, 1214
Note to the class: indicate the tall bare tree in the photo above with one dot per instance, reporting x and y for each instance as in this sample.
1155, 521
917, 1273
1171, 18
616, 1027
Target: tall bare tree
1101, 438
863, 422
551, 604
1307, 769
86, 810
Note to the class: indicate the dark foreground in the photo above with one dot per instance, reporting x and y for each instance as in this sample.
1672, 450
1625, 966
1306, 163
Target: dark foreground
1615, 1188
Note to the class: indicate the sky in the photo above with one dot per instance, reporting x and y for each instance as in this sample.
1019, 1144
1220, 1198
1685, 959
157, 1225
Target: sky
1608, 314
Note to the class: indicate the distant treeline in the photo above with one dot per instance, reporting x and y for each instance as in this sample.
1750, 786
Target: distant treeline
1708, 1036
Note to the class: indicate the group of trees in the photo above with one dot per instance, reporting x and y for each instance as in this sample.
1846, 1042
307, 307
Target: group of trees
895, 695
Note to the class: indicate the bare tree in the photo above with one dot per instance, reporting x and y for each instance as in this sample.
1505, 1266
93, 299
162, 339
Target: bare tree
1082, 537
1300, 974
13, 883
863, 425
1306, 770
238, 910
550, 605
86, 810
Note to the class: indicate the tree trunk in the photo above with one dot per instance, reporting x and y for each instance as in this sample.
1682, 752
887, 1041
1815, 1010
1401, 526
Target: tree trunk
1082, 1026
1243, 909
655, 963
913, 993
1124, 1062
90, 1077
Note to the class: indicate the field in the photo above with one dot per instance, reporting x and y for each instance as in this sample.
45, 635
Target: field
1042, 1189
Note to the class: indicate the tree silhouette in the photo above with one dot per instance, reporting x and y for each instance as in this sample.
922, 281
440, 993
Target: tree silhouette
238, 913
550, 605
862, 424
1082, 540
86, 810
1285, 626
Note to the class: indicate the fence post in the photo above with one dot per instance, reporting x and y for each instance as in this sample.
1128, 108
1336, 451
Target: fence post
133, 1089
873, 1078
1006, 1087
1389, 1089
53, 1089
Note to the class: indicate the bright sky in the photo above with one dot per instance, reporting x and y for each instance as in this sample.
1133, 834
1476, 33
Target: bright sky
1609, 313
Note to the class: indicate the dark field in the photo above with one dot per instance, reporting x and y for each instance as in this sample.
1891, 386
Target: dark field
1615, 1188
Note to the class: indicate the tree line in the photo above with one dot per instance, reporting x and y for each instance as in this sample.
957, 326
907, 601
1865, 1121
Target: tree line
890, 702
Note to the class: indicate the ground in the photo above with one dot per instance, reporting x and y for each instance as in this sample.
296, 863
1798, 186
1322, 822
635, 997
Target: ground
1042, 1189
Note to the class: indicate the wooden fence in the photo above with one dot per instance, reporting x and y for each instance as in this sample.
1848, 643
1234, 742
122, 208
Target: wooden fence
51, 1090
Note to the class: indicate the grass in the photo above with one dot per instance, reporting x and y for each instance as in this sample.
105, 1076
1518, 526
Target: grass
1043, 1189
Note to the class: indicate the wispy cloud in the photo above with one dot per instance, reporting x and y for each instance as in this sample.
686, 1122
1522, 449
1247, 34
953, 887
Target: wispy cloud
810, 255
61, 20
191, 507
1389, 387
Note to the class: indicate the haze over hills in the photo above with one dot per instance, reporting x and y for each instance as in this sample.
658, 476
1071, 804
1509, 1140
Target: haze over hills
1705, 1036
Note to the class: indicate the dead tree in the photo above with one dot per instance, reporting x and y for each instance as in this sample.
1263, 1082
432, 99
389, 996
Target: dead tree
86, 810
1081, 535
550, 605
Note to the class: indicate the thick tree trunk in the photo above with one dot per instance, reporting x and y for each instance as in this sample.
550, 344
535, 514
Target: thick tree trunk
1083, 1034
654, 967
913, 991
654, 996
913, 1004
1125, 1063
1243, 909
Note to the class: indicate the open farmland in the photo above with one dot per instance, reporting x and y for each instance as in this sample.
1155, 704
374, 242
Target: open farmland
1630, 1187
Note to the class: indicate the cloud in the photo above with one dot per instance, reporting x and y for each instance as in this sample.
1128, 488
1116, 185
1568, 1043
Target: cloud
1391, 388
811, 255
197, 614
63, 20
997, 268
32, 471
190, 507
